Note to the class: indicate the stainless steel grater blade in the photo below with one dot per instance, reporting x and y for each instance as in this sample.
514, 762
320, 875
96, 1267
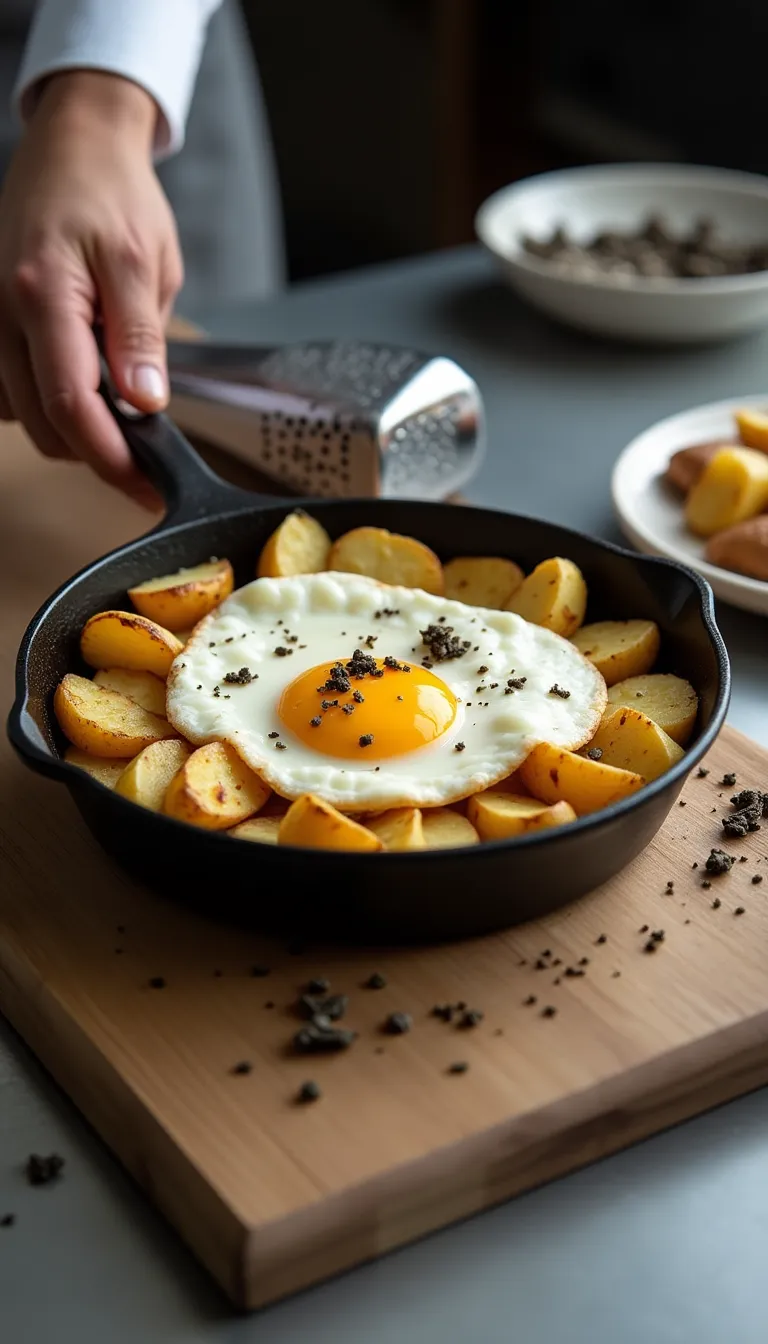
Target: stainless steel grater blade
334, 418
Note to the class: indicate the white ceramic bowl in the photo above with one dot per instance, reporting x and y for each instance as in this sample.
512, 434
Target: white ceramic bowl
622, 196
651, 515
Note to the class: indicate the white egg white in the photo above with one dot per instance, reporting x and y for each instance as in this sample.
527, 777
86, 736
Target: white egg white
328, 616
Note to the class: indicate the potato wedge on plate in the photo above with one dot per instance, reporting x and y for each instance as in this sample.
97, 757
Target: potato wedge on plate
753, 429
670, 701
103, 722
300, 545
554, 595
631, 741
311, 823
388, 557
399, 828
106, 769
215, 789
686, 466
619, 649
123, 639
482, 581
145, 781
260, 830
445, 828
553, 774
732, 488
497, 815
742, 548
144, 688
178, 601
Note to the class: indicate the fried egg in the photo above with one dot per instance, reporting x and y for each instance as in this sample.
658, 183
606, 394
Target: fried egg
375, 696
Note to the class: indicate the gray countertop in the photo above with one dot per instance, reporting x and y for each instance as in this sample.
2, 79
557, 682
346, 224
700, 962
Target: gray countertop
664, 1244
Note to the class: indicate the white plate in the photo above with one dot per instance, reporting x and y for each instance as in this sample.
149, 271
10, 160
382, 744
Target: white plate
650, 514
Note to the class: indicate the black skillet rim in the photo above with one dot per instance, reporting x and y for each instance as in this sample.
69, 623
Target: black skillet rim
55, 767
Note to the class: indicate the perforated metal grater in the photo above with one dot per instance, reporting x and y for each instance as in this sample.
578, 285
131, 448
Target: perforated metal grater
334, 418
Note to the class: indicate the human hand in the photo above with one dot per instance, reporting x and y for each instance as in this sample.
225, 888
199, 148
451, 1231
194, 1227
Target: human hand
86, 234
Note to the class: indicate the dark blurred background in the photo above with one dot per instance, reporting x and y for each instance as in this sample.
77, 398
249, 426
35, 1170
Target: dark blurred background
393, 119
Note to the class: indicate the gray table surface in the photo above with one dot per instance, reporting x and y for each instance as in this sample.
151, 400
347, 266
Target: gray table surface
664, 1244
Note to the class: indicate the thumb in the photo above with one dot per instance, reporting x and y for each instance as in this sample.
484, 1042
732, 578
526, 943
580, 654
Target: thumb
134, 335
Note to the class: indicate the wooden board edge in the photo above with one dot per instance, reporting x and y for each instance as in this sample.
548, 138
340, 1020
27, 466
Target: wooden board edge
217, 1237
489, 1169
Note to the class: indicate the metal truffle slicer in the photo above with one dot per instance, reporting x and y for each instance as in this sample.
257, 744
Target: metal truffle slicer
334, 418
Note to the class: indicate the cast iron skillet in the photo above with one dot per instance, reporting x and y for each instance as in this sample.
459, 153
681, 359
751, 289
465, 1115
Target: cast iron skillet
395, 897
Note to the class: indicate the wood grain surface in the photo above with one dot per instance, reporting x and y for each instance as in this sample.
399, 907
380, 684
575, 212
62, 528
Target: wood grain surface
272, 1195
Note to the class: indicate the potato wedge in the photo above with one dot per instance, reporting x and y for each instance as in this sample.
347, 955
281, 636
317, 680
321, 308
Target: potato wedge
732, 488
482, 581
261, 830
123, 639
619, 649
554, 595
743, 548
106, 769
388, 557
103, 722
300, 545
180, 600
144, 688
497, 815
215, 789
552, 775
445, 828
400, 828
629, 740
311, 823
670, 701
753, 429
686, 466
145, 781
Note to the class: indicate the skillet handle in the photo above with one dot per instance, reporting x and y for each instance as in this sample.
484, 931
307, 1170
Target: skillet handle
190, 489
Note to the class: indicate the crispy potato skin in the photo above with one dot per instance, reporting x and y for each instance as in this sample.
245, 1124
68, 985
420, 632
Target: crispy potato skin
388, 557
186, 597
300, 545
311, 823
742, 548
553, 774
126, 640
103, 722
686, 466
554, 595
214, 789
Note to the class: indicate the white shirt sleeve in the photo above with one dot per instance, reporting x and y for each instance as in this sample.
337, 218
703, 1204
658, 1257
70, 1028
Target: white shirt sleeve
155, 43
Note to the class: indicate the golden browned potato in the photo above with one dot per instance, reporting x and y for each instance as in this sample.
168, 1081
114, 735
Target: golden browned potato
400, 828
124, 639
311, 823
388, 557
732, 488
106, 769
300, 545
551, 774
619, 649
144, 688
262, 830
753, 429
482, 581
103, 722
215, 789
180, 600
685, 467
554, 595
743, 548
497, 815
445, 828
145, 781
670, 701
631, 741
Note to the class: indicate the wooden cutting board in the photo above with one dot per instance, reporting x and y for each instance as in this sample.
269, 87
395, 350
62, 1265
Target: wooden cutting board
272, 1195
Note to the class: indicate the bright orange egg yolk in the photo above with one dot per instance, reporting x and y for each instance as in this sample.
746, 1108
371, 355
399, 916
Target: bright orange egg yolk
399, 712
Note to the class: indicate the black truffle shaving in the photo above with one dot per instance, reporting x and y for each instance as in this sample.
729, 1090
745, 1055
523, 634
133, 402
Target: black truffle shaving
442, 643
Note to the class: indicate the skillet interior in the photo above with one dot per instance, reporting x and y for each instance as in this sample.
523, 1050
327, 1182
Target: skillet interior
444, 894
